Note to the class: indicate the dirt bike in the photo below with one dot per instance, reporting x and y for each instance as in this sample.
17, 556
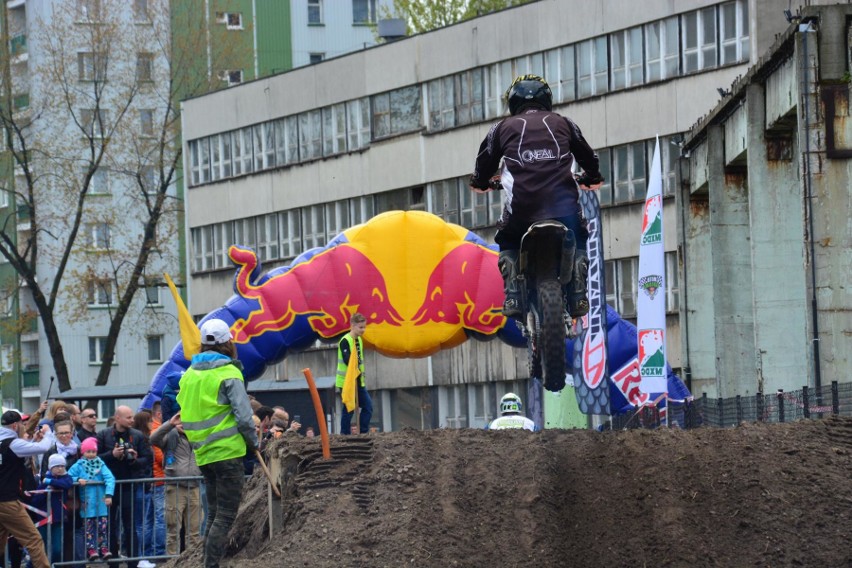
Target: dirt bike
545, 272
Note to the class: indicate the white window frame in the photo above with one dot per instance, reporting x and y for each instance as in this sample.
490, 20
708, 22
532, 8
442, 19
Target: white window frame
442, 110
146, 122
704, 51
334, 129
358, 123
97, 235
313, 226
286, 140
468, 97
264, 146
88, 11
336, 218
98, 292
99, 184
315, 13
370, 6
628, 185
592, 67
140, 11
444, 200
97, 346
498, 77
156, 342
290, 233
662, 57
152, 294
561, 73
91, 66
736, 39
145, 67
268, 240
92, 127
310, 135
241, 150
672, 283
625, 48
627, 277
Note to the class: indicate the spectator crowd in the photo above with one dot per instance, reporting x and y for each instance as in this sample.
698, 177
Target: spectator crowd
130, 489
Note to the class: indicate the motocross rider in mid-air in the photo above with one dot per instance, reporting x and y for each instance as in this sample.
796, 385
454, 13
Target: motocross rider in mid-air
537, 147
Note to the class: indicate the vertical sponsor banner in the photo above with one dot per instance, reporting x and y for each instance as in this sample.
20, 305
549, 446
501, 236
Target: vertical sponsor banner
651, 307
590, 369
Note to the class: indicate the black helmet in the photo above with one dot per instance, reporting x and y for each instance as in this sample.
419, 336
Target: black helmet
528, 89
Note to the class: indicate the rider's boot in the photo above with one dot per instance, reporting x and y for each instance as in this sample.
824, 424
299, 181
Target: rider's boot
508, 263
578, 297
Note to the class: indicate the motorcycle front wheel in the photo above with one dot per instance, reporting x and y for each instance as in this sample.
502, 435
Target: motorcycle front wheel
552, 339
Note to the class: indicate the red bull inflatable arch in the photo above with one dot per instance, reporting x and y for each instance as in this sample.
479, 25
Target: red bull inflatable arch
423, 284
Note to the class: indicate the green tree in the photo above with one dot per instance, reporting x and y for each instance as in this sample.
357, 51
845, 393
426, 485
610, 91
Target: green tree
424, 15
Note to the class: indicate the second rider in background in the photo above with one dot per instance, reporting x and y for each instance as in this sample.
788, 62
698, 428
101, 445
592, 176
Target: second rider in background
537, 148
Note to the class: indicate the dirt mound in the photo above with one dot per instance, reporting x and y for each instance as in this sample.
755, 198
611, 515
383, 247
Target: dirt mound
756, 495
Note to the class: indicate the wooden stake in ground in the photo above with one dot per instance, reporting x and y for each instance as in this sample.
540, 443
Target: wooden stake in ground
268, 475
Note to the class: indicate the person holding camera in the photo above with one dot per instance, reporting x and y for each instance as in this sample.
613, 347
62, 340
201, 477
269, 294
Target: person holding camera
127, 453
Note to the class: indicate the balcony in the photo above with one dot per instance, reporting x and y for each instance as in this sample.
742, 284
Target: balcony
30, 378
18, 45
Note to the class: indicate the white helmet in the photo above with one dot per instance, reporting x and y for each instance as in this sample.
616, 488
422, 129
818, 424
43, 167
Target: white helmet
511, 404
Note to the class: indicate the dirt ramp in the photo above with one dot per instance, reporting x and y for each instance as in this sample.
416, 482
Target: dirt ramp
756, 495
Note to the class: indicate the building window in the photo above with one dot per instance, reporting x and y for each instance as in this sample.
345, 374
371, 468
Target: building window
220, 156
99, 184
592, 67
626, 52
444, 200
145, 67
91, 66
313, 226
672, 288
733, 31
232, 20
267, 237
560, 73
699, 39
473, 206
358, 123
140, 11
627, 275
468, 98
146, 122
241, 141
336, 218
661, 48
497, 79
669, 155
396, 112
232, 76
286, 140
290, 232
314, 12
99, 292
310, 135
361, 209
629, 172
88, 10
334, 129
152, 294
315, 57
442, 111
94, 123
605, 167
363, 12
264, 146
148, 180
97, 347
96, 235
155, 348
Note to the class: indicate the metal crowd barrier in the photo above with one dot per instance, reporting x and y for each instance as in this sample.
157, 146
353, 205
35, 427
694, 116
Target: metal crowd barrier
179, 494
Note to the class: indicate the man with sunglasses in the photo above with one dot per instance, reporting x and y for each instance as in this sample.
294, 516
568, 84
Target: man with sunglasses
88, 429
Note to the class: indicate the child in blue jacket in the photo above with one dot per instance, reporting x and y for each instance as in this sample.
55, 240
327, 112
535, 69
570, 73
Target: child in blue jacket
60, 482
96, 498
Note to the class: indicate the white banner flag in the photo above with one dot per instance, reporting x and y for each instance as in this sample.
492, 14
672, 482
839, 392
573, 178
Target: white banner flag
651, 307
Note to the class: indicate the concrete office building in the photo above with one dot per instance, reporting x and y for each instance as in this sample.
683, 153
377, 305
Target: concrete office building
295, 158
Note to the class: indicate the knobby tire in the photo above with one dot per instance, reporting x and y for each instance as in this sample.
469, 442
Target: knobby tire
552, 339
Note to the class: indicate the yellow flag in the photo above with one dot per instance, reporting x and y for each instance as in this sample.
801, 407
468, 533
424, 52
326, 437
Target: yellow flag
349, 382
190, 335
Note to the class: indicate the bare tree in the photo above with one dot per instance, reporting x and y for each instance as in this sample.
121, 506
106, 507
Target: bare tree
97, 161
424, 15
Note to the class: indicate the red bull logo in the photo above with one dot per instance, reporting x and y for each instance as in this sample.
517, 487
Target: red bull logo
461, 291
417, 298
351, 284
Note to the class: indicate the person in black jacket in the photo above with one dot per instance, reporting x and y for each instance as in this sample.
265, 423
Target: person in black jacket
128, 455
537, 148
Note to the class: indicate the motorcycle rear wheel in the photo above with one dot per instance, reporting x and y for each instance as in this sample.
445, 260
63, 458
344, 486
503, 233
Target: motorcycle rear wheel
552, 339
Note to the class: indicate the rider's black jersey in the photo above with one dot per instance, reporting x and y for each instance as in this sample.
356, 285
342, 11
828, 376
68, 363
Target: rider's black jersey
538, 148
